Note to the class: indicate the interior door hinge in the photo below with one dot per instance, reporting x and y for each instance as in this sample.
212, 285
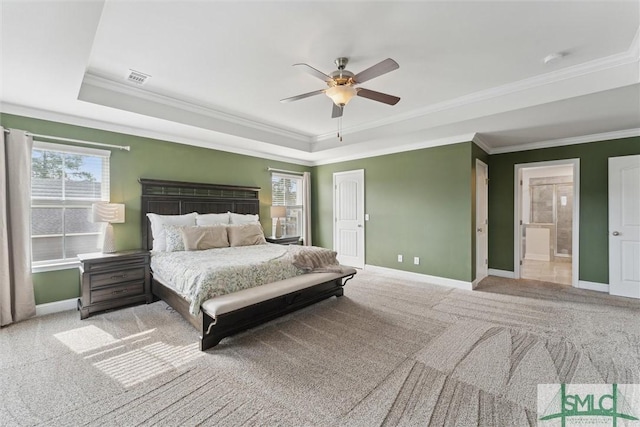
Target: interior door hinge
486, 261
486, 181
520, 262
520, 222
520, 182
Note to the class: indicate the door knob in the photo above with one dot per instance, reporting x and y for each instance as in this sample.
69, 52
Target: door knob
615, 233
480, 230
360, 225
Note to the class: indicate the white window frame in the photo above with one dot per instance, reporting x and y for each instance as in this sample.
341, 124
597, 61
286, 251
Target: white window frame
302, 207
67, 263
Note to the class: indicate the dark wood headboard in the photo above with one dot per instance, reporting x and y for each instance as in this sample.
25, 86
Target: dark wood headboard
179, 198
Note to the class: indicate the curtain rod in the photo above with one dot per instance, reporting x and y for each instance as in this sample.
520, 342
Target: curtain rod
285, 171
77, 141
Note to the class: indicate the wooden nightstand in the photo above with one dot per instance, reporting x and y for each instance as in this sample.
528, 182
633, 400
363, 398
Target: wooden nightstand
113, 280
284, 240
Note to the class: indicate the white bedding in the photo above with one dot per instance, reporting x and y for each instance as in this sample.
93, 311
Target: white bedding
200, 275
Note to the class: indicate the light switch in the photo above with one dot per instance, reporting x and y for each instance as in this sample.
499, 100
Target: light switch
366, 217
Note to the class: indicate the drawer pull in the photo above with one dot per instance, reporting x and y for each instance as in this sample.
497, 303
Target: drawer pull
121, 291
121, 276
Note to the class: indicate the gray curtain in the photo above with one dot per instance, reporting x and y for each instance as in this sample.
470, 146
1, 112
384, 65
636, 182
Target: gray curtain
306, 185
17, 301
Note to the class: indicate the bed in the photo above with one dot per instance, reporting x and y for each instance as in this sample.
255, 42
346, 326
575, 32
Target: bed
225, 315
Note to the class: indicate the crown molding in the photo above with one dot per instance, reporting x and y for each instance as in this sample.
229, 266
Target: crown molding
480, 142
35, 113
359, 154
620, 134
180, 104
601, 64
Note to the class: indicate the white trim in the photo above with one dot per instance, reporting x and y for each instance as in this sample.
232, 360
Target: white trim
593, 286
501, 273
517, 211
534, 82
185, 105
35, 113
619, 134
391, 149
56, 306
63, 265
419, 277
480, 142
229, 147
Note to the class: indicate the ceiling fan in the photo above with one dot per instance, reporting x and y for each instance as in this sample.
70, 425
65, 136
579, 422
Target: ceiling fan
342, 84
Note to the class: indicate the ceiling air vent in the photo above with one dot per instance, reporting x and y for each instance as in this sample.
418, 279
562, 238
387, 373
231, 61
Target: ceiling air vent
137, 77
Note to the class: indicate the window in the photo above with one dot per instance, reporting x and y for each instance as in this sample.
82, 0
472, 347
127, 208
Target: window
287, 190
65, 182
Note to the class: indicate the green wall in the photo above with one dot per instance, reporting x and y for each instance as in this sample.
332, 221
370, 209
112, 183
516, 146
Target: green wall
419, 203
594, 241
148, 158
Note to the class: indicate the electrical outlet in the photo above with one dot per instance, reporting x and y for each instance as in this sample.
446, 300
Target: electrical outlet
416, 260
399, 258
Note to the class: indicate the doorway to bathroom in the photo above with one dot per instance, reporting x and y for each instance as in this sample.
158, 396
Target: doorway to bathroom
546, 223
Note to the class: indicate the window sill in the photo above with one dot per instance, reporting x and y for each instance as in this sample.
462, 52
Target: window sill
66, 265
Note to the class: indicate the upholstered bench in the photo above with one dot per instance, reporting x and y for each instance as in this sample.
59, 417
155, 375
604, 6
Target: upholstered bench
231, 313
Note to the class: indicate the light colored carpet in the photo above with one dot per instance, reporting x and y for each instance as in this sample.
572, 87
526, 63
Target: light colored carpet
387, 353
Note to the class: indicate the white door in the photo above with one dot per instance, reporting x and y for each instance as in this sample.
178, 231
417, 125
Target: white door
482, 221
348, 214
624, 226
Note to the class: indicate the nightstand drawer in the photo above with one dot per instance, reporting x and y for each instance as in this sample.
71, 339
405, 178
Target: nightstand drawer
113, 277
116, 292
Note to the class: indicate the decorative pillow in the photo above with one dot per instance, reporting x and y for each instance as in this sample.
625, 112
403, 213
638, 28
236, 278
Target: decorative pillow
246, 234
159, 221
212, 219
200, 238
173, 238
243, 218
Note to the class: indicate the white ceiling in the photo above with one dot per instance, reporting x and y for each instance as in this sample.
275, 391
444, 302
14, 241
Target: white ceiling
218, 69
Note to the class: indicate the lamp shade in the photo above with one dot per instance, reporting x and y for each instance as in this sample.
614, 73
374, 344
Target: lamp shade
341, 94
107, 212
278, 211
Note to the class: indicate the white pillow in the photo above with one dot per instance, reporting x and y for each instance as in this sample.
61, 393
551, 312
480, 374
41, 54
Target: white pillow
212, 219
243, 218
159, 221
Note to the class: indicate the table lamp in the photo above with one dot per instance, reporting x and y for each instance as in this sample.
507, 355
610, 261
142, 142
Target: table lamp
278, 212
110, 213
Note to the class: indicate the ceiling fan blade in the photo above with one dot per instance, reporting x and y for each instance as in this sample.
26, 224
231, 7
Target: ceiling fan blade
377, 70
337, 111
304, 95
316, 73
378, 96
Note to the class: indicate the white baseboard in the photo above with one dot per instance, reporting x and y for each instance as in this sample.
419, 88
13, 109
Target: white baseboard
502, 273
418, 277
593, 286
57, 306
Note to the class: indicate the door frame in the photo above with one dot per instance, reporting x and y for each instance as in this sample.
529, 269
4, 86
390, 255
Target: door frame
483, 165
362, 240
575, 227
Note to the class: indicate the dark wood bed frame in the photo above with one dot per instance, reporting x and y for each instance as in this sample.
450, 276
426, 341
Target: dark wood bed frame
178, 198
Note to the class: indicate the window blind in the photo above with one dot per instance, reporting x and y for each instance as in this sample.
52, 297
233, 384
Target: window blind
65, 182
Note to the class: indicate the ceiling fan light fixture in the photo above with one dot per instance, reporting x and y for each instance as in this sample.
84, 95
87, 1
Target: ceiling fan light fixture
341, 94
